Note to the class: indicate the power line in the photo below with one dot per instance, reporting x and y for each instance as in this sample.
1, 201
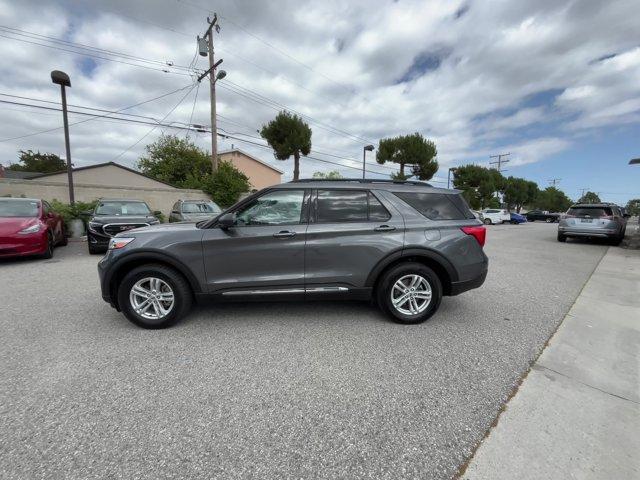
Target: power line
97, 116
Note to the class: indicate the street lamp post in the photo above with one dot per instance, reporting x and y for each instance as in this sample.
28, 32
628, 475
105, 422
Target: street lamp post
451, 169
62, 79
367, 148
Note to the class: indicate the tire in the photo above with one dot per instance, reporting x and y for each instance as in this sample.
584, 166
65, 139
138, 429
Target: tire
487, 221
615, 241
548, 220
142, 277
48, 253
404, 272
531, 220
513, 222
65, 240
562, 238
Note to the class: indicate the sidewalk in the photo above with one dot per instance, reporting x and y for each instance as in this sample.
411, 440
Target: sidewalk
577, 413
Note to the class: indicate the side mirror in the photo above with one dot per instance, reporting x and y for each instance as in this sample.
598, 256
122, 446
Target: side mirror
227, 220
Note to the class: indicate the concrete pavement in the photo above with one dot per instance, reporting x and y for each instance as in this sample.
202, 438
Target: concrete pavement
577, 413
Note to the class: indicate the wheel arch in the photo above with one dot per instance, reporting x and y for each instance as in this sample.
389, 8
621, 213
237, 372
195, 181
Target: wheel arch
429, 258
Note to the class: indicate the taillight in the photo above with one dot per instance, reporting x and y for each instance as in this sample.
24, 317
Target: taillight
479, 232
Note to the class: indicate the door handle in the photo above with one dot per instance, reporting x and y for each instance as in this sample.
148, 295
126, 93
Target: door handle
385, 228
284, 234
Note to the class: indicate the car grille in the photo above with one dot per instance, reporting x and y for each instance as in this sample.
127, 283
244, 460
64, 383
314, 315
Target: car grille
113, 228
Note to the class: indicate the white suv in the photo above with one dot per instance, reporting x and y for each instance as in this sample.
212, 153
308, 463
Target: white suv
496, 215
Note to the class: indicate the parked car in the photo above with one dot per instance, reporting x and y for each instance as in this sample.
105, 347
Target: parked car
495, 216
112, 216
516, 218
29, 226
193, 210
534, 215
404, 244
478, 215
599, 220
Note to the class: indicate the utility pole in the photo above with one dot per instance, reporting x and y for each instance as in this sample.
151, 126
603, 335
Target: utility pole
582, 190
554, 181
500, 161
213, 25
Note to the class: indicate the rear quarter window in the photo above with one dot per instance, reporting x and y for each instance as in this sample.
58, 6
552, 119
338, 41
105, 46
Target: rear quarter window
437, 206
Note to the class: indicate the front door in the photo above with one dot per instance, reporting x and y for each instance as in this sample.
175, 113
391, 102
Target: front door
264, 250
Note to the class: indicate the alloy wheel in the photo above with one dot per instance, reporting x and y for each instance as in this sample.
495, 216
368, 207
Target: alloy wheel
152, 298
411, 294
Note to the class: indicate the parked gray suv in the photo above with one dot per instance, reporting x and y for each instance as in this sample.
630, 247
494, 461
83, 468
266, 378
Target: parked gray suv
402, 244
593, 220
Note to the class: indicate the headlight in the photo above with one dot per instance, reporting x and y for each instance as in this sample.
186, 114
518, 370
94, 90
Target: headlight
117, 243
94, 226
32, 229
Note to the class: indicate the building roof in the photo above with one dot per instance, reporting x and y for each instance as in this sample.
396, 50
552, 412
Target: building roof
98, 165
19, 175
252, 158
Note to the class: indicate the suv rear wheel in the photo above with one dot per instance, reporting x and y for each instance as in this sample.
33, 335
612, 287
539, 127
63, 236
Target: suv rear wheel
409, 293
154, 296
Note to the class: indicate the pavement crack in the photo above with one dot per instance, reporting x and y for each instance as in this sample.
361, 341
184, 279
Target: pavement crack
539, 366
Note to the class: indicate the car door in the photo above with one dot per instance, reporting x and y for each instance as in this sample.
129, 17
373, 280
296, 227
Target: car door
53, 221
349, 232
264, 252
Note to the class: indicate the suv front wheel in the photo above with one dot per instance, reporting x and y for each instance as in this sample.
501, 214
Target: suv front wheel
409, 293
154, 296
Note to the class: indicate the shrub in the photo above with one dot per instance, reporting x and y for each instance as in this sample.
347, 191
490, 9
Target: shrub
226, 185
70, 212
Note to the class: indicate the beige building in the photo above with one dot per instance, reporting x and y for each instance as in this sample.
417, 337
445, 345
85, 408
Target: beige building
260, 173
104, 180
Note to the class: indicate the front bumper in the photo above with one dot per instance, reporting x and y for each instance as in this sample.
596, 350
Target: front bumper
105, 278
21, 245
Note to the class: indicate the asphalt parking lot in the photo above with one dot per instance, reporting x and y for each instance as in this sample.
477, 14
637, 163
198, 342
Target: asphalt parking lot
280, 390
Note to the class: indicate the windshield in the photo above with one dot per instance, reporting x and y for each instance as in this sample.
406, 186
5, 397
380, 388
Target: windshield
122, 208
200, 208
18, 208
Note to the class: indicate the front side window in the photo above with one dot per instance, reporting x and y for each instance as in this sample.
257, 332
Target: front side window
280, 207
436, 206
122, 208
18, 208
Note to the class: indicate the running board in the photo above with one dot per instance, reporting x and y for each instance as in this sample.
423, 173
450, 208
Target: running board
286, 291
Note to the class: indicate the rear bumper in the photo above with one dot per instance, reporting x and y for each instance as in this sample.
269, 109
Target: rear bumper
577, 232
459, 287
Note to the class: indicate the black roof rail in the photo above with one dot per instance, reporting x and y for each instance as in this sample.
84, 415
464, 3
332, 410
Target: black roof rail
362, 180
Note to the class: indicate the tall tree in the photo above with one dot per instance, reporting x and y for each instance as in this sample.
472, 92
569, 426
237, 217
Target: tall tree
288, 135
478, 184
553, 200
409, 150
633, 207
589, 197
31, 161
177, 161
332, 175
518, 192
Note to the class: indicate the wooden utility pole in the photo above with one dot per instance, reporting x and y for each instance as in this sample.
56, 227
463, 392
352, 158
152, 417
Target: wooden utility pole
213, 25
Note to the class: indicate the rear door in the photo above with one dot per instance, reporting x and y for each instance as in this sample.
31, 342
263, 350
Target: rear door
349, 232
264, 250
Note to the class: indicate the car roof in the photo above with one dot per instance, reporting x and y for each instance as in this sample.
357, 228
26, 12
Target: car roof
195, 201
121, 200
360, 184
593, 205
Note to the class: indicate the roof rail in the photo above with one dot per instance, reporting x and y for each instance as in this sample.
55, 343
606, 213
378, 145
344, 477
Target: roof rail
362, 180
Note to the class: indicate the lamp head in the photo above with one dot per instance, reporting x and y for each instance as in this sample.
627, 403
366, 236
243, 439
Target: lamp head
369, 148
60, 78
221, 74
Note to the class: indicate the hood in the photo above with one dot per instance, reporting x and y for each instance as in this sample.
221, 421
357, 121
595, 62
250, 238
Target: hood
162, 227
11, 225
104, 219
196, 217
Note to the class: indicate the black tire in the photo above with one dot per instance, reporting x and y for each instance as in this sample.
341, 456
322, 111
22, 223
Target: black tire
531, 219
562, 238
549, 220
513, 222
48, 253
487, 221
615, 241
183, 296
389, 278
65, 240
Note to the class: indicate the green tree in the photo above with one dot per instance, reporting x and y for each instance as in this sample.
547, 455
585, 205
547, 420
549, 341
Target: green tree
518, 192
478, 184
409, 150
288, 135
589, 197
31, 161
332, 175
176, 161
633, 207
226, 185
553, 200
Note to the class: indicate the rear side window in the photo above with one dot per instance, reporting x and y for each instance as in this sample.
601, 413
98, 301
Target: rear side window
590, 211
349, 206
436, 206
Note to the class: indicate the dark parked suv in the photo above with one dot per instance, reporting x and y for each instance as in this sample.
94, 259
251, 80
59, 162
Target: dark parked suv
403, 244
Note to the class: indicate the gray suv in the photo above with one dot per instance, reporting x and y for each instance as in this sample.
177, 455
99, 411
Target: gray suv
593, 220
402, 244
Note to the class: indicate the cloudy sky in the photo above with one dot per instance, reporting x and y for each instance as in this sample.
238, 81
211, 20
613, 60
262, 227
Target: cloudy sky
556, 84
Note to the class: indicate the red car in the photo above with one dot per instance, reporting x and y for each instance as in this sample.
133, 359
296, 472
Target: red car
29, 226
